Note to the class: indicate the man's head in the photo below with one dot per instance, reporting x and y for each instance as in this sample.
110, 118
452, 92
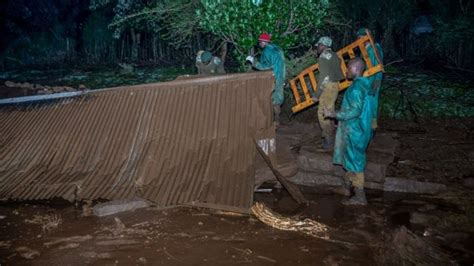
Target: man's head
323, 43
355, 68
361, 33
264, 39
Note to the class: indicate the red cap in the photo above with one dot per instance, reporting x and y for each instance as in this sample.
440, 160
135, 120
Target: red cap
265, 37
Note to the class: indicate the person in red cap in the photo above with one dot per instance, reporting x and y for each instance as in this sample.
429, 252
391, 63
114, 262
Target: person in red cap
272, 58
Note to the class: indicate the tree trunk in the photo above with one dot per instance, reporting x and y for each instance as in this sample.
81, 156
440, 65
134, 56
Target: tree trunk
135, 42
154, 48
223, 52
122, 48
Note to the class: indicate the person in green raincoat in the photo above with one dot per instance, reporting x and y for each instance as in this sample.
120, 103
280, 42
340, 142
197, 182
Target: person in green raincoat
354, 131
272, 58
376, 79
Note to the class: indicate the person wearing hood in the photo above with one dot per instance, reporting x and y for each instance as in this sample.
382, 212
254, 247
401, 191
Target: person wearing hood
354, 131
272, 58
375, 80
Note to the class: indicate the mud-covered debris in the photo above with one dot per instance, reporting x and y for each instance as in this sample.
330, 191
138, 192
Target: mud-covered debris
68, 239
47, 222
468, 182
306, 226
117, 242
405, 248
117, 206
266, 258
92, 254
27, 253
422, 218
87, 208
119, 227
5, 244
69, 246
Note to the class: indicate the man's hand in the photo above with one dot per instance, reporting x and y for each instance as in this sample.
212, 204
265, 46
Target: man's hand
329, 113
250, 59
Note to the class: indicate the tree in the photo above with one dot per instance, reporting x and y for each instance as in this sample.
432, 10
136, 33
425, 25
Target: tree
238, 22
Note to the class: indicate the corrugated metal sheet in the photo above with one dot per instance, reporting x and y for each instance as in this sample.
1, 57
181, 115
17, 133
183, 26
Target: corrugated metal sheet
180, 142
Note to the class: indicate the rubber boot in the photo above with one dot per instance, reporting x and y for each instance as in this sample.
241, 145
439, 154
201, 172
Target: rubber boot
328, 144
345, 188
358, 198
276, 115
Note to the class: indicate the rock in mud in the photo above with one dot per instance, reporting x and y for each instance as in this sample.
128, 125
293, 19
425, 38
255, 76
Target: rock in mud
469, 182
10, 84
69, 246
422, 218
311, 160
92, 254
27, 253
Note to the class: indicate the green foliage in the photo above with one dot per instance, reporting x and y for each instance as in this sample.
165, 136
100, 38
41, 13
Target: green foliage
294, 66
454, 34
96, 32
240, 22
172, 20
97, 78
412, 95
453, 31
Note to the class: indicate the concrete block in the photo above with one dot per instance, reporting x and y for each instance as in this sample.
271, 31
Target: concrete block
395, 184
312, 179
320, 162
118, 206
375, 172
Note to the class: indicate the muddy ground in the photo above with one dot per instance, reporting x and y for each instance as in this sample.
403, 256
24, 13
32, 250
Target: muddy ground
393, 229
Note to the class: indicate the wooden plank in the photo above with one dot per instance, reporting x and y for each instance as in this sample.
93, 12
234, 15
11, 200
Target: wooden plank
376, 51
295, 91
365, 56
293, 189
304, 87
349, 50
351, 54
314, 84
343, 66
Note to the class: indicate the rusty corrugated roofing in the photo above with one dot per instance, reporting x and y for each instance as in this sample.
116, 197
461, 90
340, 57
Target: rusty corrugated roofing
179, 142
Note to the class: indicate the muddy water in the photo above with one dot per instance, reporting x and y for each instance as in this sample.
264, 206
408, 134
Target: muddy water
203, 237
184, 236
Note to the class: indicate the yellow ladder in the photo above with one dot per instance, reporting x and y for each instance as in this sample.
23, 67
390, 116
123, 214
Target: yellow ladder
299, 83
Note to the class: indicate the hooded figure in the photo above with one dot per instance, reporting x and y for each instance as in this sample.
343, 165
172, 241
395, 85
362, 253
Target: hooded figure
354, 131
207, 64
272, 58
375, 80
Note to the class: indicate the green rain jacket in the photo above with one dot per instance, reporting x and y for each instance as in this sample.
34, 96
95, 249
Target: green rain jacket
355, 128
273, 58
375, 80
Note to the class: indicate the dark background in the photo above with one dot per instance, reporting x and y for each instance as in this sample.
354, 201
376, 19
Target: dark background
47, 32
